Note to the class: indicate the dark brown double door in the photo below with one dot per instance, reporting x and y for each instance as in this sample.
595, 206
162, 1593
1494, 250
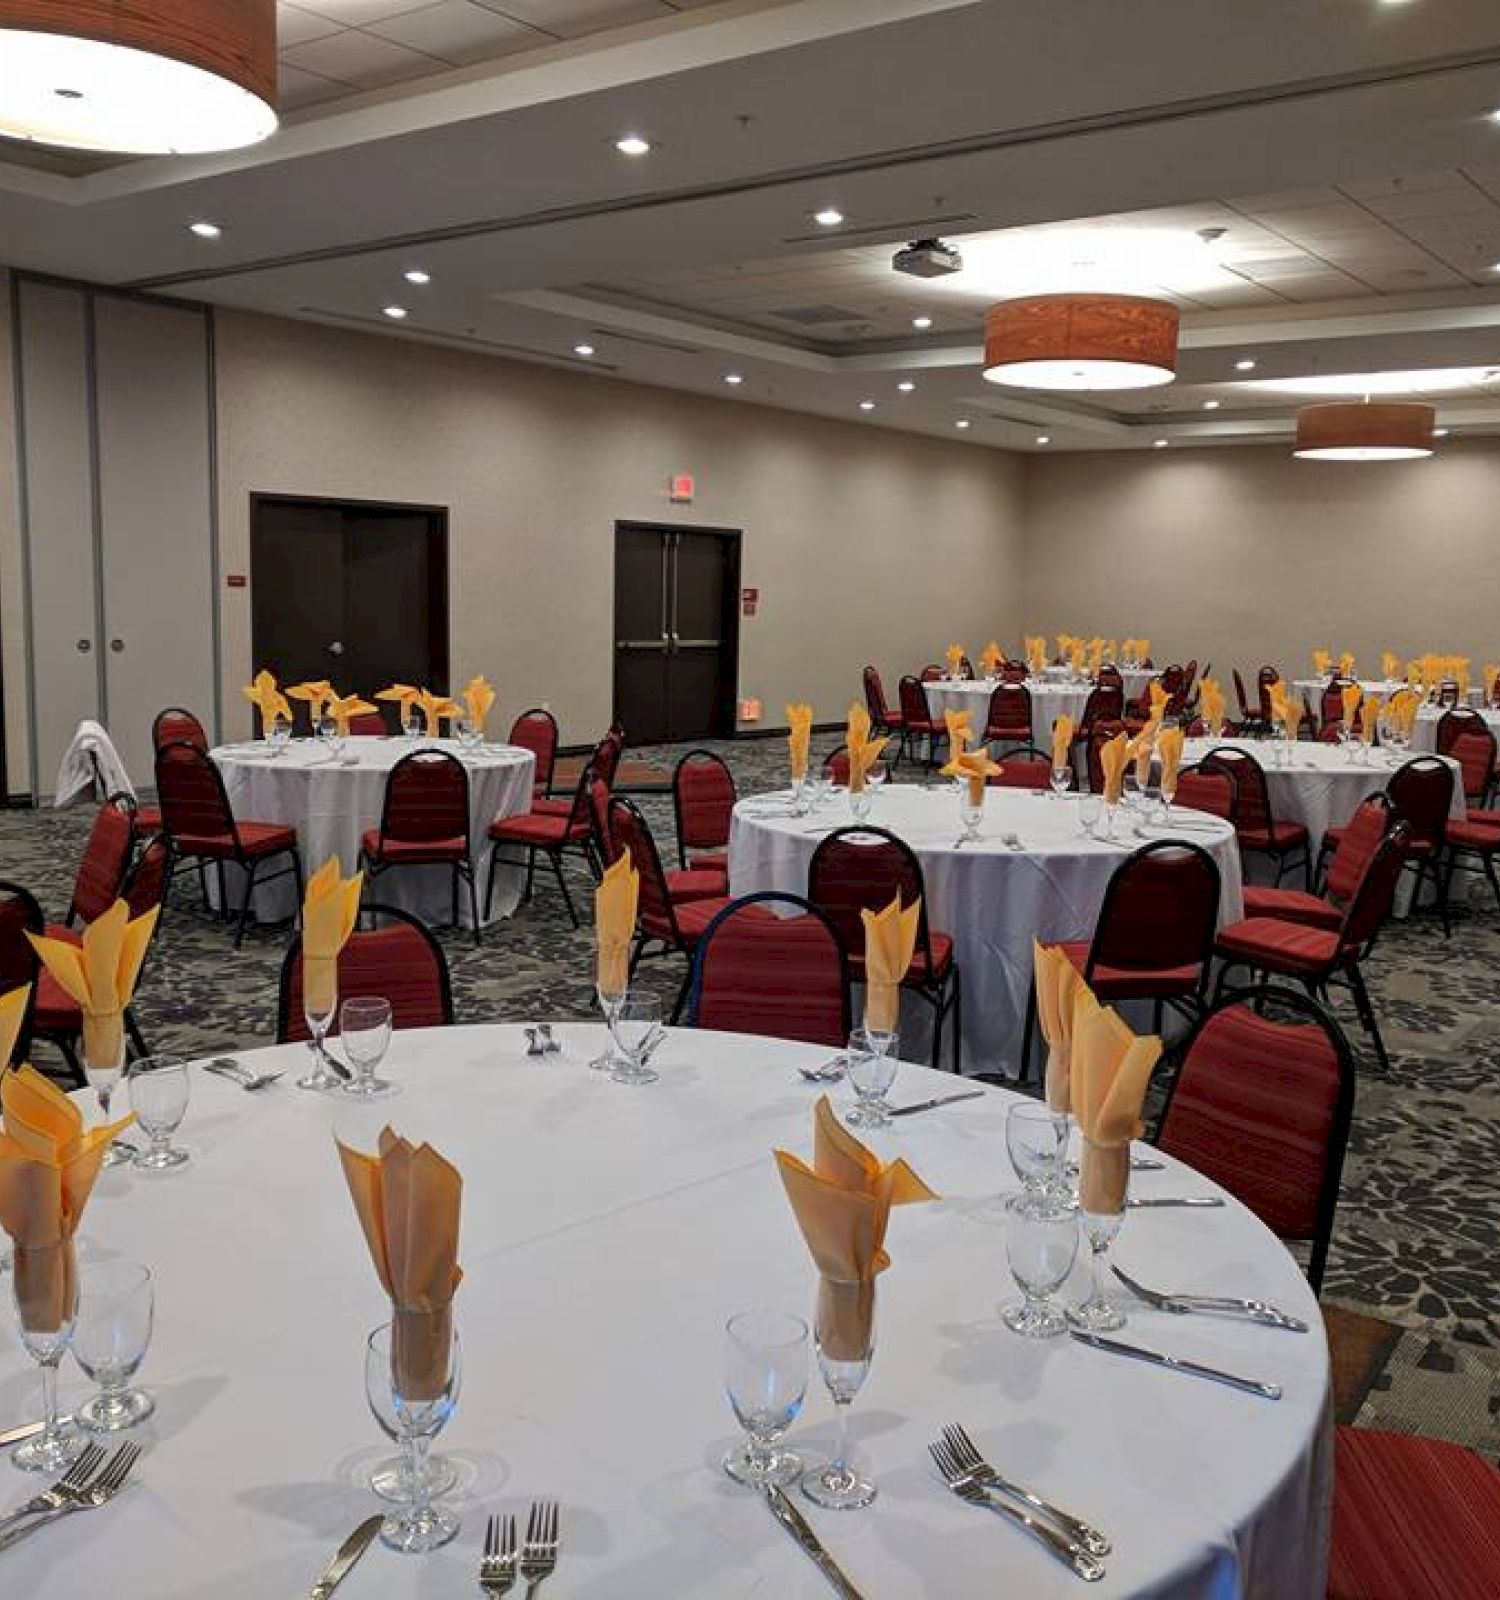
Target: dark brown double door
676, 631
349, 591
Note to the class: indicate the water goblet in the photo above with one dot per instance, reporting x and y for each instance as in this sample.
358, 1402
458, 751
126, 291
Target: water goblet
765, 1377
414, 725
413, 1410
278, 735
1061, 780
636, 1021
800, 800
45, 1285
1103, 1182
845, 1341
337, 741
969, 815
159, 1098
1168, 793
1034, 1141
1090, 814
319, 1020
1041, 1244
324, 729
365, 1029
610, 1000
102, 1077
1114, 821
859, 803
110, 1337
870, 1066
875, 777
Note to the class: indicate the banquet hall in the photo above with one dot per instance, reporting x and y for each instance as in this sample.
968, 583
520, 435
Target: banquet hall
749, 799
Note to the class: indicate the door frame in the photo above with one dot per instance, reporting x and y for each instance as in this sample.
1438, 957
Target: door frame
727, 711
437, 582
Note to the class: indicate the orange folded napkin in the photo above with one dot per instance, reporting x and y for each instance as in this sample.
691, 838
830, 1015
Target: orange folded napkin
1076, 657
1057, 984
1143, 646
974, 768
99, 974
1350, 695
479, 699
1159, 699
955, 655
343, 707
434, 707
12, 1014
1390, 665
330, 908
316, 692
890, 942
799, 717
1322, 663
1096, 656
842, 1203
1111, 650
1064, 644
1461, 673
615, 903
1491, 672
1370, 711
1062, 742
1169, 752
1282, 710
1036, 656
48, 1165
991, 659
403, 694
1113, 755
864, 751
1139, 751
960, 730
1346, 664
1110, 1072
1211, 706
408, 1197
268, 700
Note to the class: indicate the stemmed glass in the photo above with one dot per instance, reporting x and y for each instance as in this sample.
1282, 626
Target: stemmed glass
414, 725
1034, 1137
636, 1021
102, 1078
969, 814
870, 1064
159, 1098
413, 1421
875, 777
765, 1377
800, 801
1103, 1182
319, 1021
610, 1001
278, 735
41, 1275
1090, 814
845, 1341
1168, 793
1041, 1244
365, 1028
859, 802
110, 1336
1061, 778
324, 729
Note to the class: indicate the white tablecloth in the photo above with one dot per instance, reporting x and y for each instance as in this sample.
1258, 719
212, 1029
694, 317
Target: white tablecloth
991, 899
608, 1233
331, 803
1049, 701
1424, 734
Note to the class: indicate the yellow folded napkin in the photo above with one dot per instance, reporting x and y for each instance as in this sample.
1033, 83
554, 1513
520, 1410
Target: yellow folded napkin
408, 1198
955, 655
1346, 664
960, 730
330, 908
864, 751
12, 1014
1461, 673
1322, 663
1057, 984
316, 692
1111, 1071
99, 975
434, 707
975, 768
1062, 742
1096, 656
1390, 665
1036, 655
404, 695
1491, 672
1350, 695
268, 700
842, 1203
1159, 698
1111, 650
615, 903
890, 942
1143, 650
479, 698
343, 707
1064, 644
799, 718
991, 659
1370, 711
48, 1165
1169, 751
1113, 755
1211, 706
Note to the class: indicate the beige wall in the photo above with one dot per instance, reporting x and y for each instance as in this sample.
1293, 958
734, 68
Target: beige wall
12, 571
863, 542
1239, 556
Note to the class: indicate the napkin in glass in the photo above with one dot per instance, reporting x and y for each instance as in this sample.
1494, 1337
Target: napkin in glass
890, 942
99, 974
268, 700
1139, 751
1057, 984
435, 706
330, 908
960, 730
1346, 664
317, 692
1062, 742
1211, 706
1110, 1072
343, 707
1390, 665
799, 716
974, 768
1351, 694
1113, 755
991, 658
955, 655
404, 695
12, 1015
1371, 713
1169, 752
615, 903
864, 751
1322, 662
479, 700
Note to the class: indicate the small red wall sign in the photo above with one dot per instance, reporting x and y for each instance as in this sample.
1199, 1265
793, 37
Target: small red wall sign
749, 601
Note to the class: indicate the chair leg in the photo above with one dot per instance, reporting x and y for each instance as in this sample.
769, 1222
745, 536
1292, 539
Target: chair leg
555, 857
223, 894
244, 916
682, 993
489, 882
1307, 865
474, 905
137, 1038
936, 1058
1367, 1016
1488, 862
1441, 880
958, 1021
530, 871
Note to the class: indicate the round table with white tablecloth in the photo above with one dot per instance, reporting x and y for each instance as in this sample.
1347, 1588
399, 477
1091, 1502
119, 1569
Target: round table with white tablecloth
1049, 700
331, 799
1424, 731
607, 1235
991, 897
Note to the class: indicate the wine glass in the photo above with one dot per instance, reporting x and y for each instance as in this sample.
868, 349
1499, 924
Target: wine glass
336, 740
765, 1377
159, 1098
413, 1419
637, 1021
875, 777
1168, 793
319, 1020
278, 735
365, 1028
610, 1000
1034, 1141
1103, 1181
845, 1342
969, 814
102, 1077
800, 801
1090, 814
1061, 779
1041, 1244
45, 1286
110, 1336
859, 802
870, 1065
324, 729
414, 724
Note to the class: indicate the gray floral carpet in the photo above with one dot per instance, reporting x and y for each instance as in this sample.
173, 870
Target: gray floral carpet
1417, 1239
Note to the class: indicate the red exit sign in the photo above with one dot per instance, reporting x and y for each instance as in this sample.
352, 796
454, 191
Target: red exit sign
681, 488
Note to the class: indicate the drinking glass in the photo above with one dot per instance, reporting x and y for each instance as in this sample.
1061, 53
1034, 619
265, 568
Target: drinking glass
845, 1341
414, 724
765, 1377
413, 1422
1041, 1244
159, 1098
969, 814
365, 1028
1090, 813
278, 735
58, 1444
1168, 792
321, 1076
636, 1021
1104, 1169
610, 1001
469, 736
800, 802
102, 1078
1112, 821
324, 729
870, 1064
336, 741
859, 803
110, 1336
1061, 778
875, 777
1034, 1141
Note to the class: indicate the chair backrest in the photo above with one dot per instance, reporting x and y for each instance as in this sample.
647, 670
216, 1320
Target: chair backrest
1474, 751
1024, 768
19, 915
836, 765
191, 794
931, 672
1447, 694
426, 799
864, 868
1106, 703
1421, 790
913, 698
1099, 735
605, 759
703, 797
1014, 672
397, 960
597, 791
757, 971
1198, 790
1252, 799
1161, 909
536, 731
177, 726
1110, 677
367, 725
1375, 891
105, 861
1372, 820
630, 831
1453, 722
1263, 681
1331, 703
1009, 715
875, 697
146, 886
1262, 1107
1239, 692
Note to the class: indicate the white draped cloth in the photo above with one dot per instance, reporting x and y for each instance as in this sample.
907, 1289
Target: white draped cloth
91, 753
1049, 701
607, 1235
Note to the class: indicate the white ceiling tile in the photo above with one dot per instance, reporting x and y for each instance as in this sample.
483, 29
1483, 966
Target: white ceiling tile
296, 26
1258, 205
571, 19
1432, 203
359, 13
459, 31
1412, 183
360, 58
296, 89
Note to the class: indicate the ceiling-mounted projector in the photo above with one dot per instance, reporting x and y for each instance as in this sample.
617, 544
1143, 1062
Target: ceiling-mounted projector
927, 258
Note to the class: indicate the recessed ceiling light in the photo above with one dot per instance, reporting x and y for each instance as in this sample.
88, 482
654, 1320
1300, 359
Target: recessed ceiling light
1044, 438
1212, 405
734, 377
1495, 116
417, 276
1160, 444
1430, 380
1245, 364
906, 386
922, 324
828, 217
963, 422
395, 313
867, 405
205, 230
633, 144
584, 350
1441, 433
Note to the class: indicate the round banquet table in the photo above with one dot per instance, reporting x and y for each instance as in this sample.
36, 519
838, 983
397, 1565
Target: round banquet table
1049, 701
991, 898
1313, 687
1424, 732
331, 802
607, 1234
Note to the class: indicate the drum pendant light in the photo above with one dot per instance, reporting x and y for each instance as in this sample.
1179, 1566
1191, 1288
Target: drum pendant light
1350, 431
137, 78
1081, 341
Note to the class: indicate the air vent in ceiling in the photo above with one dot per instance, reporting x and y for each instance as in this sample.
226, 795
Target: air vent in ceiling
818, 316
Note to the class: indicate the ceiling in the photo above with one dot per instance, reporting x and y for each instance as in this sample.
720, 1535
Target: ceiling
1345, 149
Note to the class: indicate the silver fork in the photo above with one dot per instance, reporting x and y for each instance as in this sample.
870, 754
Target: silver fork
71, 1483
497, 1566
967, 1487
966, 1455
539, 1553
104, 1488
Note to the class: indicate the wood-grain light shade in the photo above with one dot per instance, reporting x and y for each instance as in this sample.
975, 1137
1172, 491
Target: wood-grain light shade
1370, 431
1081, 341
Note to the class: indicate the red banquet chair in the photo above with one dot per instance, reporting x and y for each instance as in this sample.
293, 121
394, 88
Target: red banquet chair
536, 731
1154, 936
932, 672
548, 833
1421, 791
863, 868
603, 761
104, 864
201, 827
1339, 871
424, 822
1474, 837
396, 959
771, 964
882, 718
176, 726
19, 963
1099, 736
1255, 825
917, 721
1008, 720
1212, 792
1472, 745
703, 797
367, 725
836, 766
1024, 768
1014, 672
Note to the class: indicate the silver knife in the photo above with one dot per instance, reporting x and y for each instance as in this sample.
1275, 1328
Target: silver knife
939, 1100
1212, 1305
1195, 1369
1155, 1201
348, 1553
796, 1524
27, 1430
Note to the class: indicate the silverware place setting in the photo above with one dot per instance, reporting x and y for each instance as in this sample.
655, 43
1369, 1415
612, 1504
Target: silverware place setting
797, 1525
1162, 1358
967, 1456
228, 1067
1161, 1202
831, 1071
539, 1552
935, 1102
1137, 1164
82, 1488
344, 1558
1211, 1305
502, 1556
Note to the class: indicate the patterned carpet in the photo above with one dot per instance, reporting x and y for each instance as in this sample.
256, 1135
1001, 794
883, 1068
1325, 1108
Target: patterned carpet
1417, 1239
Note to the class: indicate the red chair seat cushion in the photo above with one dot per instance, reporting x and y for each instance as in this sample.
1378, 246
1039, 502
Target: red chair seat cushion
1131, 983
539, 828
1413, 1519
59, 930
1282, 946
1292, 905
1471, 834
257, 840
147, 819
552, 805
693, 883
693, 916
711, 863
893, 719
411, 852
1483, 817
1280, 837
